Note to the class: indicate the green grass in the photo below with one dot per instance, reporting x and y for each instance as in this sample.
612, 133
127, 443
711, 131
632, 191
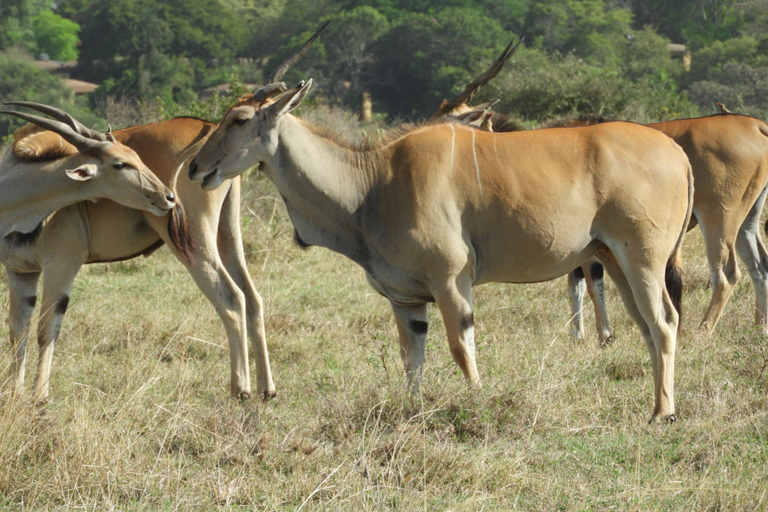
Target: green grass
140, 418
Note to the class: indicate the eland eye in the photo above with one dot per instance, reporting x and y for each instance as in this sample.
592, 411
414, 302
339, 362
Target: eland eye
119, 165
240, 120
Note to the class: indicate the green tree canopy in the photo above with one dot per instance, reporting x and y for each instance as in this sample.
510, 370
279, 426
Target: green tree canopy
55, 36
164, 48
16, 21
348, 46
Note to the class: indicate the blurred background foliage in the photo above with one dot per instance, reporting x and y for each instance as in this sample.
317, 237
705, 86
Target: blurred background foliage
154, 59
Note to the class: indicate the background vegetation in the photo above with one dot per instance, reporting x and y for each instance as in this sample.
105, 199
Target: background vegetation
596, 56
139, 417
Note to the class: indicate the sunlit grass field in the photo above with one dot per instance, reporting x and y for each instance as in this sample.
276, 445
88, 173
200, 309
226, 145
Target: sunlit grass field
140, 416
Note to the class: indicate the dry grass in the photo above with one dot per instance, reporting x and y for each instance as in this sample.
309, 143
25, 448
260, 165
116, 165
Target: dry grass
140, 417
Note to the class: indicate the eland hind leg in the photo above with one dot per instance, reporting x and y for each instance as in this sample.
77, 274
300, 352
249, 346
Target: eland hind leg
753, 253
720, 232
645, 296
454, 299
230, 243
577, 290
596, 289
22, 291
588, 278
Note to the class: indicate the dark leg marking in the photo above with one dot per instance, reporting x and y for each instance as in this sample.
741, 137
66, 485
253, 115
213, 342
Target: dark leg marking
31, 301
468, 321
578, 273
596, 271
419, 326
56, 332
61, 305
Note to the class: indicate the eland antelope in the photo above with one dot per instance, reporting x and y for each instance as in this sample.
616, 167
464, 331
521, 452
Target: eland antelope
110, 231
729, 157
441, 208
52, 166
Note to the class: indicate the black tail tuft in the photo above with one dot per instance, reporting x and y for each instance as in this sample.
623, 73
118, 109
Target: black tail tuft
673, 278
179, 233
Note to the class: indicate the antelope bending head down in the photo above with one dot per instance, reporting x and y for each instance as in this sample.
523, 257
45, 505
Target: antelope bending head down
57, 162
441, 208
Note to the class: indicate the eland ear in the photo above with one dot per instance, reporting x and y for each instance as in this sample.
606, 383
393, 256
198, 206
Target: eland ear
289, 100
471, 116
83, 173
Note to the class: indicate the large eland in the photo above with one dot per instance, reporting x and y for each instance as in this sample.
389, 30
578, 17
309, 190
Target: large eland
206, 239
441, 208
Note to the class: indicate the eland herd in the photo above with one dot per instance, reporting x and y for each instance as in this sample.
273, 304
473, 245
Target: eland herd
429, 212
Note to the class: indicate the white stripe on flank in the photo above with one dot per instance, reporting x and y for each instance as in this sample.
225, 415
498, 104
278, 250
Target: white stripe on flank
477, 165
453, 144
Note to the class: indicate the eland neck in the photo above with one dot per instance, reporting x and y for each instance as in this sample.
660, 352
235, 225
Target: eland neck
324, 185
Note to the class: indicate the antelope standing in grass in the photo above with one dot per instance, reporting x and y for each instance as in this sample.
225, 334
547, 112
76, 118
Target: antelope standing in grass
42, 172
109, 231
442, 208
729, 157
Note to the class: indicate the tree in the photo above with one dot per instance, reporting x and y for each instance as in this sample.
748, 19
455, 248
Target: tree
55, 36
422, 59
693, 22
587, 28
16, 21
646, 54
743, 88
144, 48
348, 46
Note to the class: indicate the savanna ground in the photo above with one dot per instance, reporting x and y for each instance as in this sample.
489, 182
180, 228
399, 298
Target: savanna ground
140, 418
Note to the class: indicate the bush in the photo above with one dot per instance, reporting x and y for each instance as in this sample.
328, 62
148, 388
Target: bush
740, 87
538, 87
55, 36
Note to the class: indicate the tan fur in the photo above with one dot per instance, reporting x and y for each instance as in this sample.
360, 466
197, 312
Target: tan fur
729, 157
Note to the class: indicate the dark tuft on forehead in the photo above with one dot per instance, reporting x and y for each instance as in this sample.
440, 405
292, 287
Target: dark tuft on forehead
35, 144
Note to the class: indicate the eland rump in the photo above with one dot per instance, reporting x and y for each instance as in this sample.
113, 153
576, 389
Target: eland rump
441, 208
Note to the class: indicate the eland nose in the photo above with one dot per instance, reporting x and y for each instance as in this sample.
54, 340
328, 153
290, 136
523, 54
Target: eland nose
171, 197
192, 169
